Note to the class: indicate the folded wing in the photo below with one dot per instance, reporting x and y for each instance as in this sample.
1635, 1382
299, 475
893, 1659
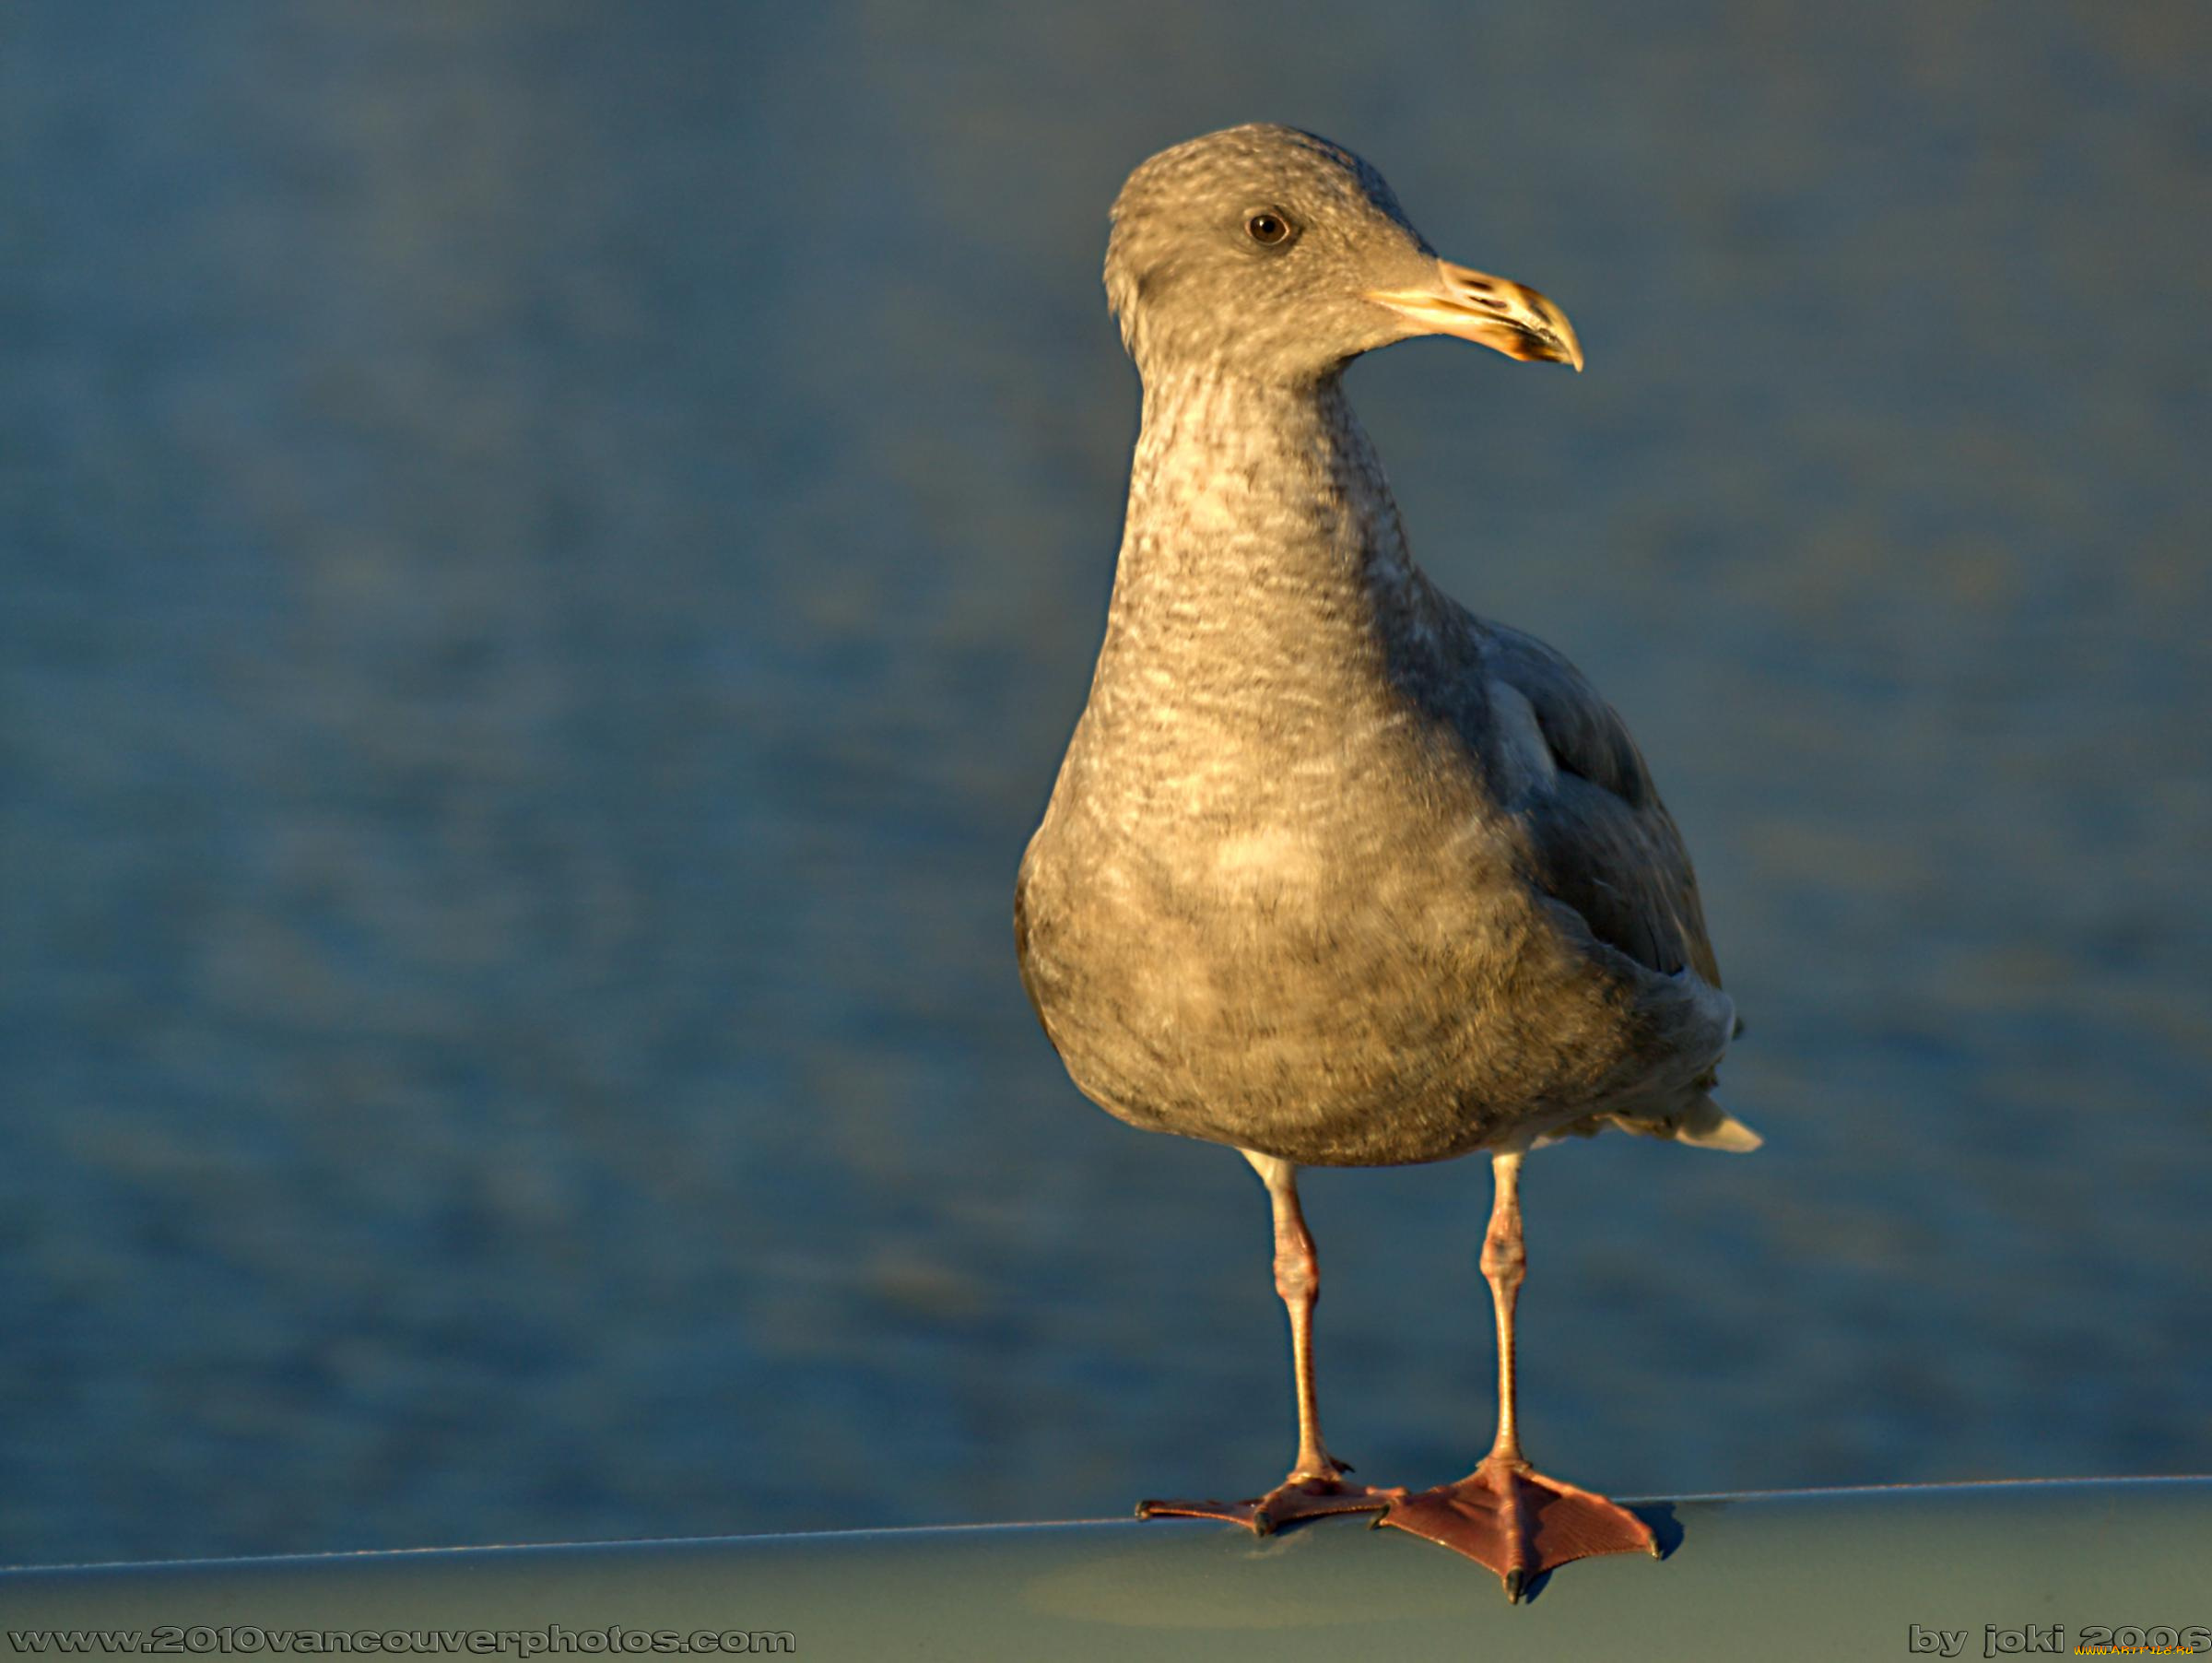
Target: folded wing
1603, 842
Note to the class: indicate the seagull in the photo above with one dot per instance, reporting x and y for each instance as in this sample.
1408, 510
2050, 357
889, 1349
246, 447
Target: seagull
1335, 872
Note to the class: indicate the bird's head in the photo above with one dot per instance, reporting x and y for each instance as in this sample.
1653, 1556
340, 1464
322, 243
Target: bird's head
1281, 255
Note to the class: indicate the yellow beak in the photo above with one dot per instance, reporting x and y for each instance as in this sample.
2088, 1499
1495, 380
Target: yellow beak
1494, 311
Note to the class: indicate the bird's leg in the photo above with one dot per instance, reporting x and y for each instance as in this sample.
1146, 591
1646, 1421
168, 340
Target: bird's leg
1504, 1265
1298, 1281
1505, 1514
1316, 1483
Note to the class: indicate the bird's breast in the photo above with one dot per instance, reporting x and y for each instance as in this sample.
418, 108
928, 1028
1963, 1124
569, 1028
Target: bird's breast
1317, 962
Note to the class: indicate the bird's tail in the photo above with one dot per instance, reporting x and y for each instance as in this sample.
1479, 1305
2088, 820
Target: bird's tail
1702, 1123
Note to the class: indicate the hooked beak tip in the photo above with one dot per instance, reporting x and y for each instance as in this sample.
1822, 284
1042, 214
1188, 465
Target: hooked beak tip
1497, 312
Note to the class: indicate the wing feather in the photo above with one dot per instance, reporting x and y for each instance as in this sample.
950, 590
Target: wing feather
1603, 842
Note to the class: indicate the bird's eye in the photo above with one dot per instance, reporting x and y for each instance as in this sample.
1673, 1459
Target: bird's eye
1271, 230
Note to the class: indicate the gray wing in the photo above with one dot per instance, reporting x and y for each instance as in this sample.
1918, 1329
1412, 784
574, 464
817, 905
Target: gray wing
1603, 842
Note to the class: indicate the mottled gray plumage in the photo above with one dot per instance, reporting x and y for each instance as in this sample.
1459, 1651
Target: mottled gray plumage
1334, 870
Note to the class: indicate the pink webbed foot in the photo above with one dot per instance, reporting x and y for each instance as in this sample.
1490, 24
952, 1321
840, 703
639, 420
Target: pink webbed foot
1511, 1518
1301, 1495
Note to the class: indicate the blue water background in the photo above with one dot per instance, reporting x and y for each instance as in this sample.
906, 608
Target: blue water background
547, 554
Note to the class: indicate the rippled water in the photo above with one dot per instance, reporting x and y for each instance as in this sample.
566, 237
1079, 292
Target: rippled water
549, 553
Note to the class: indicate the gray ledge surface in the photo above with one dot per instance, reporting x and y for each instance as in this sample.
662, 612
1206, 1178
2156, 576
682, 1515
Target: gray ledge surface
1970, 1571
